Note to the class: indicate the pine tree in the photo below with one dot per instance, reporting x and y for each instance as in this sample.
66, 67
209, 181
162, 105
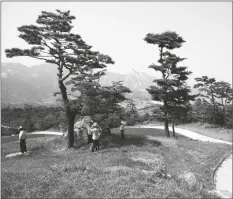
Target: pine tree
104, 100
131, 110
112, 96
179, 103
206, 86
167, 64
53, 42
223, 92
179, 96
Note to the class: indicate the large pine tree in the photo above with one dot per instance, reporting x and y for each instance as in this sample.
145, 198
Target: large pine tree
172, 76
52, 41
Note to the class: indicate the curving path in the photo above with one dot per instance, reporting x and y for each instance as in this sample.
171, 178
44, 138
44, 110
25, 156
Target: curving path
223, 178
223, 175
190, 134
47, 133
6, 139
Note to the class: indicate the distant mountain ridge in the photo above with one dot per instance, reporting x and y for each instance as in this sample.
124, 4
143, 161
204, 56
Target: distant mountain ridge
21, 84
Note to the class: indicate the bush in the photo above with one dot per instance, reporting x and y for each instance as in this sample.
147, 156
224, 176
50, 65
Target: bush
8, 131
113, 121
130, 121
33, 117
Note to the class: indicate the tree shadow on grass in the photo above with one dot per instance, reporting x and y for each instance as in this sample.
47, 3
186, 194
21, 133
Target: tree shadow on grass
133, 140
116, 142
133, 136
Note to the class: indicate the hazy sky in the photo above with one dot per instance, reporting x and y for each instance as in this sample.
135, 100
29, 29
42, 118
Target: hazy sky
118, 29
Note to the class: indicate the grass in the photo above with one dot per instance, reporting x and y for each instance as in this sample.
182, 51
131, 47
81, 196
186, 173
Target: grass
121, 169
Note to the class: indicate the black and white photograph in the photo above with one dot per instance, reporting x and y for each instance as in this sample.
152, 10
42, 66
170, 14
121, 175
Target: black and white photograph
116, 99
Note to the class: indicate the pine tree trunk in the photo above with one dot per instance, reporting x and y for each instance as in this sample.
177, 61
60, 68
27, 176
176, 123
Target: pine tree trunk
214, 110
166, 127
214, 120
173, 128
71, 131
165, 102
70, 116
224, 113
166, 120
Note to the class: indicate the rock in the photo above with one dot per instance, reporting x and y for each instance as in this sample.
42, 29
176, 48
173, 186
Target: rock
160, 174
189, 178
169, 176
80, 128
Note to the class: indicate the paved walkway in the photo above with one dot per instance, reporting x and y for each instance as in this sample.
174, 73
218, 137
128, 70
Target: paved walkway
223, 179
46, 133
16, 154
223, 175
188, 133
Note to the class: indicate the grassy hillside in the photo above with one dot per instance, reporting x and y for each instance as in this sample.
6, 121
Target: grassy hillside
127, 169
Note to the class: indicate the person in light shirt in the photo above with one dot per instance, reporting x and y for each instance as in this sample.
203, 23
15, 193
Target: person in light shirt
89, 133
96, 133
22, 140
122, 128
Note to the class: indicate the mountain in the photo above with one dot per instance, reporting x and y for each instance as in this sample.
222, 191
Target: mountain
21, 84
136, 81
36, 84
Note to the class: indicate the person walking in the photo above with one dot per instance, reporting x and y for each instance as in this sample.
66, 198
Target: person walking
96, 133
22, 140
122, 128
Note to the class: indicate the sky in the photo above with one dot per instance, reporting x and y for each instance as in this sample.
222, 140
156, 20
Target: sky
118, 29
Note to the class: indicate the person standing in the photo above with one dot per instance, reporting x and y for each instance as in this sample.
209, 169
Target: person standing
89, 133
122, 128
96, 133
22, 140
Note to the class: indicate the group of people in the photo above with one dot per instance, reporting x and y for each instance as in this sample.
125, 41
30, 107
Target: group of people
93, 131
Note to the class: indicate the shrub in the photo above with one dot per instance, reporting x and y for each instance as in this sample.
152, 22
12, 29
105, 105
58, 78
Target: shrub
130, 121
8, 131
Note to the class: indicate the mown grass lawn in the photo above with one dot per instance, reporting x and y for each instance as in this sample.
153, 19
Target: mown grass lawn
122, 169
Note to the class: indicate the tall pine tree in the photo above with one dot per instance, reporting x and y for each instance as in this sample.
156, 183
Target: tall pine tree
179, 95
167, 66
53, 42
